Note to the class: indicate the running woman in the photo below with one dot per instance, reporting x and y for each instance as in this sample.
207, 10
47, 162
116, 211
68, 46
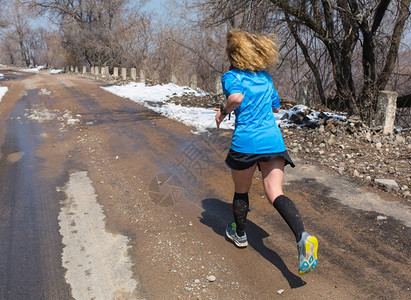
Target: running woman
257, 139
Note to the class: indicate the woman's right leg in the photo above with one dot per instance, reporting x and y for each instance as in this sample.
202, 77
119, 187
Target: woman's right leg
273, 174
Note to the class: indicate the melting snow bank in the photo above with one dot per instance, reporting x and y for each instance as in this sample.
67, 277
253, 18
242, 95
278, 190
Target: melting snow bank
3, 91
56, 71
156, 97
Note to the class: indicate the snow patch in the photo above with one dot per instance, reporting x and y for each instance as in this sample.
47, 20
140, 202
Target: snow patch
156, 98
56, 71
41, 115
44, 92
3, 91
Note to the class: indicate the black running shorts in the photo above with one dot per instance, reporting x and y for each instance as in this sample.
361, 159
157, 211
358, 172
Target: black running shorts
241, 161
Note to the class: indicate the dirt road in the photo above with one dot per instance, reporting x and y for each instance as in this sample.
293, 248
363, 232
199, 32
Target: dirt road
101, 198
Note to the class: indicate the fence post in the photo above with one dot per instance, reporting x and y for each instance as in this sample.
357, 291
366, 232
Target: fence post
76, 69
96, 70
386, 109
84, 69
142, 75
124, 73
193, 81
71, 69
306, 93
115, 72
133, 74
218, 86
173, 78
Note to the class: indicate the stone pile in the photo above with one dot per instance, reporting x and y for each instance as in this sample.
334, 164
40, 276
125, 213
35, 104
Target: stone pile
346, 145
355, 150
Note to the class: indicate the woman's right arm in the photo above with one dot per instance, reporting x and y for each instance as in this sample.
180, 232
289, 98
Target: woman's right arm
233, 101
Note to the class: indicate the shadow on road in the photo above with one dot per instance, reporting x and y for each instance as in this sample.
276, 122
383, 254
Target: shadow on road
217, 214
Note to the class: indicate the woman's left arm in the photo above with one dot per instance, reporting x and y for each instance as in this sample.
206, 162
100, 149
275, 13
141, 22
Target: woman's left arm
233, 101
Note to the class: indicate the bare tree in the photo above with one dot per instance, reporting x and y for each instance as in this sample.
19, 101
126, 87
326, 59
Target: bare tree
97, 31
342, 28
15, 36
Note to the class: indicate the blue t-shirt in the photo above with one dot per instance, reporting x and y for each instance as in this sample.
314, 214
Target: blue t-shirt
256, 131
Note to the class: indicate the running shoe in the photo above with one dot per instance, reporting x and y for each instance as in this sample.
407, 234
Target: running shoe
231, 232
307, 253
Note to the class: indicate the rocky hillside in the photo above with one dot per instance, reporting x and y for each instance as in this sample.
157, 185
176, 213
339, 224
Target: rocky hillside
347, 146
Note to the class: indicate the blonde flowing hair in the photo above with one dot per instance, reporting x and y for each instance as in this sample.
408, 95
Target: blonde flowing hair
251, 51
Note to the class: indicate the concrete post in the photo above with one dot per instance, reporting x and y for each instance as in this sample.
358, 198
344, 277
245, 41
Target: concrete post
386, 109
156, 77
142, 75
193, 81
115, 72
71, 69
218, 86
84, 69
133, 74
106, 71
96, 70
76, 69
124, 73
173, 78
103, 71
306, 93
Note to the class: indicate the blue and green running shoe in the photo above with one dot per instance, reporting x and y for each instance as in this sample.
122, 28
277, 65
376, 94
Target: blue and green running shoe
307, 253
231, 232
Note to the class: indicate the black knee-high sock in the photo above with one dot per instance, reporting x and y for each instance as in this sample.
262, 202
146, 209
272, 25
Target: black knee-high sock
290, 214
240, 210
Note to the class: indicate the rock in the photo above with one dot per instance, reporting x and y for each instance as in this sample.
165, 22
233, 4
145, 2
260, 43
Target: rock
356, 173
399, 139
389, 184
297, 118
368, 137
329, 127
211, 278
279, 292
285, 116
378, 146
331, 141
321, 129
